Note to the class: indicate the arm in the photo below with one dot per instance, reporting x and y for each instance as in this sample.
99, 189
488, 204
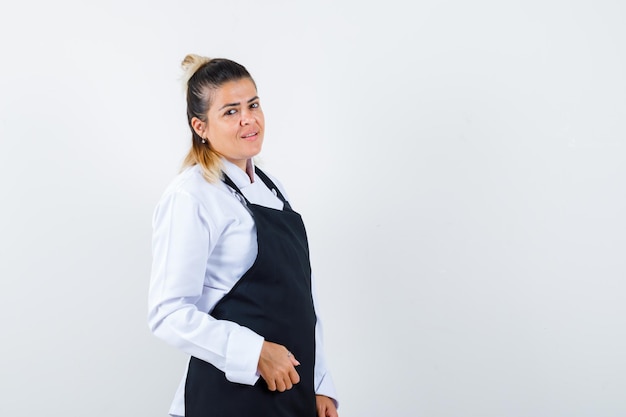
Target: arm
324, 385
183, 238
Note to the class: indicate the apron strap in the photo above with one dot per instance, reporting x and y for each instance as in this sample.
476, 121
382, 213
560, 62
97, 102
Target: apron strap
232, 185
270, 184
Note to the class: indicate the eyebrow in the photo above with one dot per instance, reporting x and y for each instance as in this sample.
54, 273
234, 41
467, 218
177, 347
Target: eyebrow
236, 104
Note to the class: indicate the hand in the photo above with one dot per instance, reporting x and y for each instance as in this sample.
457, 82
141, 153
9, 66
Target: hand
277, 367
325, 406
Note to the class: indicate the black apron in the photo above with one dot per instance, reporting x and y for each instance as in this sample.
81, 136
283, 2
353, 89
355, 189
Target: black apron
273, 298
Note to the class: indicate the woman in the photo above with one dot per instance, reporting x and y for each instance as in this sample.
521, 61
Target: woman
231, 280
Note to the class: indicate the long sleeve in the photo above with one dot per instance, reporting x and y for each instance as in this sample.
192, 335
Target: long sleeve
324, 384
184, 237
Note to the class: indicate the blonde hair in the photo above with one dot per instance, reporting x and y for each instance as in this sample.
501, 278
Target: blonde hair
202, 76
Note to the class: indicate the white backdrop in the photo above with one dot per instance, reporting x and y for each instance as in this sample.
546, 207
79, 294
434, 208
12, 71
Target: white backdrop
461, 167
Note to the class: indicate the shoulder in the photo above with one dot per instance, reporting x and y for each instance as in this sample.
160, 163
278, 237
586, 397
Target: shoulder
192, 183
197, 195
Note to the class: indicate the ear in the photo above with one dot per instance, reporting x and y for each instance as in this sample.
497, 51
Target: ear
198, 126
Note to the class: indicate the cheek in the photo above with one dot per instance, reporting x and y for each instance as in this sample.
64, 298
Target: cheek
224, 130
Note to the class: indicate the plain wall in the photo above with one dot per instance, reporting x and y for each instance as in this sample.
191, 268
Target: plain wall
460, 166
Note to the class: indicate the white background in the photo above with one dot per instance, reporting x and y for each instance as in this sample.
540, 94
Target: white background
461, 168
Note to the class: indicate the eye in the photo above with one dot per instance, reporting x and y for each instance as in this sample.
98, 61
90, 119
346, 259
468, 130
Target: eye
255, 105
230, 112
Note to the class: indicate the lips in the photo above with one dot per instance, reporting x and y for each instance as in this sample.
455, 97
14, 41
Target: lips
249, 136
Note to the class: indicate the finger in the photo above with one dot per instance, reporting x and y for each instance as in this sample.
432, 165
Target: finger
293, 360
321, 410
294, 376
271, 385
280, 385
329, 412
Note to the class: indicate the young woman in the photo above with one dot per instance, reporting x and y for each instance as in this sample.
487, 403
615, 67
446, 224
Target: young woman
231, 280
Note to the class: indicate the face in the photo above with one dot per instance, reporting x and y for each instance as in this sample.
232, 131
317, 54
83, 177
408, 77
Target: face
235, 122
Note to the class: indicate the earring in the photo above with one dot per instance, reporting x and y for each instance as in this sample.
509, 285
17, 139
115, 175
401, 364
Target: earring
203, 140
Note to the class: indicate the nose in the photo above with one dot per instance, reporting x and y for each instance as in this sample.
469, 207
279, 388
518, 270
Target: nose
246, 117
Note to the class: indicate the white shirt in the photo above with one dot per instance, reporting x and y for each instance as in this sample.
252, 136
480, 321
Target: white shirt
204, 240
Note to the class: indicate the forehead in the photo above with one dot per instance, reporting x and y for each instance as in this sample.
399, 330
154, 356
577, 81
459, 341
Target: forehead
238, 91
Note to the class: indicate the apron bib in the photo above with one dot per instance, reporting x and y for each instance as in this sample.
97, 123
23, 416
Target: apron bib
273, 298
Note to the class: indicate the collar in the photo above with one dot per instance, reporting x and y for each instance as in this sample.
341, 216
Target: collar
239, 177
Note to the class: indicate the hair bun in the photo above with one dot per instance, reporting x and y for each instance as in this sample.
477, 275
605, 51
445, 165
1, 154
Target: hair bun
191, 64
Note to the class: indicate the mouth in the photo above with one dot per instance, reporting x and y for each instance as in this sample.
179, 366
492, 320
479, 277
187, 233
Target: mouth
250, 136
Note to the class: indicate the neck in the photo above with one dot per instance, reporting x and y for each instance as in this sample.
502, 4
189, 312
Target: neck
250, 170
